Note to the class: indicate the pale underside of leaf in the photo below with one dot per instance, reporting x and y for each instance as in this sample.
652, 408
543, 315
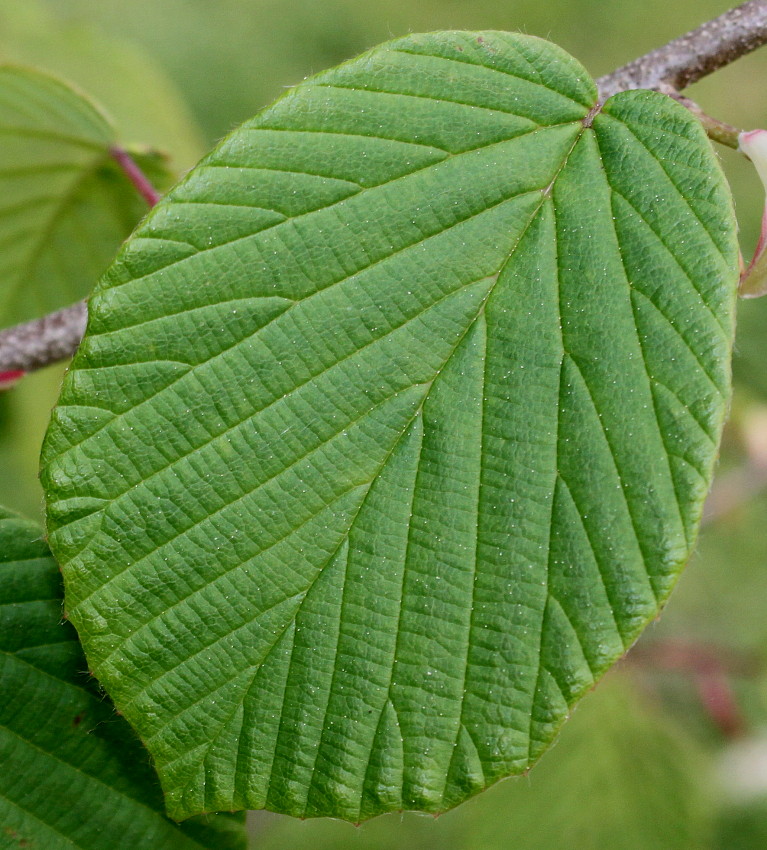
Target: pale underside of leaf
392, 427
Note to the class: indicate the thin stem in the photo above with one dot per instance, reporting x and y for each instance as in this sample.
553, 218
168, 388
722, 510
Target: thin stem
135, 175
9, 378
716, 130
753, 279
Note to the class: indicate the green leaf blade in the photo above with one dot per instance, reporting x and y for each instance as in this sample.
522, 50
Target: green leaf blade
419, 469
74, 775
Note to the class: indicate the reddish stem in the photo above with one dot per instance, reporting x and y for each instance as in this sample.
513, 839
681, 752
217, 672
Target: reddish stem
717, 697
135, 175
35, 344
9, 377
760, 245
711, 670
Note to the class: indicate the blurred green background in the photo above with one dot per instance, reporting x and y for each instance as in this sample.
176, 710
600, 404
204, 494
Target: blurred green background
671, 750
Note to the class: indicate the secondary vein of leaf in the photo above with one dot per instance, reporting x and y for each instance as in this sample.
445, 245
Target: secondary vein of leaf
383, 464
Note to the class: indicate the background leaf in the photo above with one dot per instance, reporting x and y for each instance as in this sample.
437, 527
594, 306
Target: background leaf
65, 205
452, 360
74, 775
144, 105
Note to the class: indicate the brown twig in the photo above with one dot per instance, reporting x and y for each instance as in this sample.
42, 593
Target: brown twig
681, 62
32, 345
700, 52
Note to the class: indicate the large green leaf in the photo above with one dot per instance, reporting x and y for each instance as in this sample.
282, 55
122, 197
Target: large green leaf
65, 205
392, 427
74, 776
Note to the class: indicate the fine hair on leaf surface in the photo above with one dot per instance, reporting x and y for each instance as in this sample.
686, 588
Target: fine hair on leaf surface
392, 427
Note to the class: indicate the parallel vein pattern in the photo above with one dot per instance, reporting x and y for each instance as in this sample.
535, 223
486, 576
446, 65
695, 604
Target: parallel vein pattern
74, 775
392, 427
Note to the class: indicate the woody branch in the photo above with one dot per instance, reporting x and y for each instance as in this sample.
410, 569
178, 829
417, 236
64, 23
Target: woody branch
668, 69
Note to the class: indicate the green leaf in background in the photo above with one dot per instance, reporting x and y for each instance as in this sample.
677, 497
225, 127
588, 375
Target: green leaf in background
73, 776
65, 205
740, 827
392, 427
620, 777
625, 778
143, 103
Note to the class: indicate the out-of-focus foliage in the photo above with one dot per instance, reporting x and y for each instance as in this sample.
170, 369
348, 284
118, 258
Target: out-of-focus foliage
743, 827
232, 57
24, 414
65, 204
228, 58
143, 103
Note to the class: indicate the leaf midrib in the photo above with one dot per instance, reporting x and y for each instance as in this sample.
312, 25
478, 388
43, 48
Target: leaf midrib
545, 193
544, 190
114, 286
